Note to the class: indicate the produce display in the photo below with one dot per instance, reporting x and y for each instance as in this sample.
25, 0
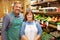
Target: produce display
52, 19
46, 36
52, 22
39, 17
49, 18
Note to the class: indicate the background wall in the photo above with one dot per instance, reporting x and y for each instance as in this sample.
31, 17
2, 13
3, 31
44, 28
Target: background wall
6, 6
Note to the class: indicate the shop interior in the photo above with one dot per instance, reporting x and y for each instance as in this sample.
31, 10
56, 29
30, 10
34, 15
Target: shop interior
46, 12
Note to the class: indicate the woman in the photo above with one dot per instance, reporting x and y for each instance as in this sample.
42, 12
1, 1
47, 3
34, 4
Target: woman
31, 30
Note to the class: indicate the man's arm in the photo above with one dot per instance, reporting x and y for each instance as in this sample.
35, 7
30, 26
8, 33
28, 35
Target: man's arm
4, 26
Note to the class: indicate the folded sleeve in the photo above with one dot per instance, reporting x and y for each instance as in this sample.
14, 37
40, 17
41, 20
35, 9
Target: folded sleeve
4, 26
22, 29
39, 29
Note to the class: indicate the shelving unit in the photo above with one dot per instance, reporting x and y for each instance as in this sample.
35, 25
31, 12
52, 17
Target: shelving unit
39, 9
48, 13
53, 26
43, 4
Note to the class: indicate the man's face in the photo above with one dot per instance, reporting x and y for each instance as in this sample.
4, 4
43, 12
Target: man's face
17, 8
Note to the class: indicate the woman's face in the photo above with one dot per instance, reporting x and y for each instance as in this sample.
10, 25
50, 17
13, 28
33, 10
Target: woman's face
29, 16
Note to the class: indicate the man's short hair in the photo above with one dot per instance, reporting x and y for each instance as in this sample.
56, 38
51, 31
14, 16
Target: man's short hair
16, 2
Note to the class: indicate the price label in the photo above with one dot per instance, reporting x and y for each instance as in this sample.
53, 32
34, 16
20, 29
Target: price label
58, 27
44, 11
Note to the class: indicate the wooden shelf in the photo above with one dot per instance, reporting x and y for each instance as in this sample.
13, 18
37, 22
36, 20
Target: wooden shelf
53, 26
42, 3
48, 13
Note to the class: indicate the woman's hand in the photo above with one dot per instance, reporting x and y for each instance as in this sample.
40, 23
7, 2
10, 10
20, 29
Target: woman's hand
38, 37
23, 37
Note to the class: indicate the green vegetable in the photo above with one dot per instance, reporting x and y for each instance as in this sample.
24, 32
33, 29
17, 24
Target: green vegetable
46, 36
58, 23
39, 17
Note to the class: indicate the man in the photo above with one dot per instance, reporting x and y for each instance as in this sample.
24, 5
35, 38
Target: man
12, 23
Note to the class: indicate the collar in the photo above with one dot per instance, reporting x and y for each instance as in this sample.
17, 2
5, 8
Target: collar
16, 16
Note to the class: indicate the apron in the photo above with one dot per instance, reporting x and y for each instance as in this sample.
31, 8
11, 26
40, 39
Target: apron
31, 31
14, 30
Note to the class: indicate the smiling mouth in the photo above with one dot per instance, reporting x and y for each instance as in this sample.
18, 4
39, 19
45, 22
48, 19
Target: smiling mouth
17, 10
29, 17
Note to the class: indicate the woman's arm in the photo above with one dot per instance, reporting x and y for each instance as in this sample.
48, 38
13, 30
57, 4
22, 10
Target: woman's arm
39, 34
22, 34
4, 26
38, 37
24, 37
